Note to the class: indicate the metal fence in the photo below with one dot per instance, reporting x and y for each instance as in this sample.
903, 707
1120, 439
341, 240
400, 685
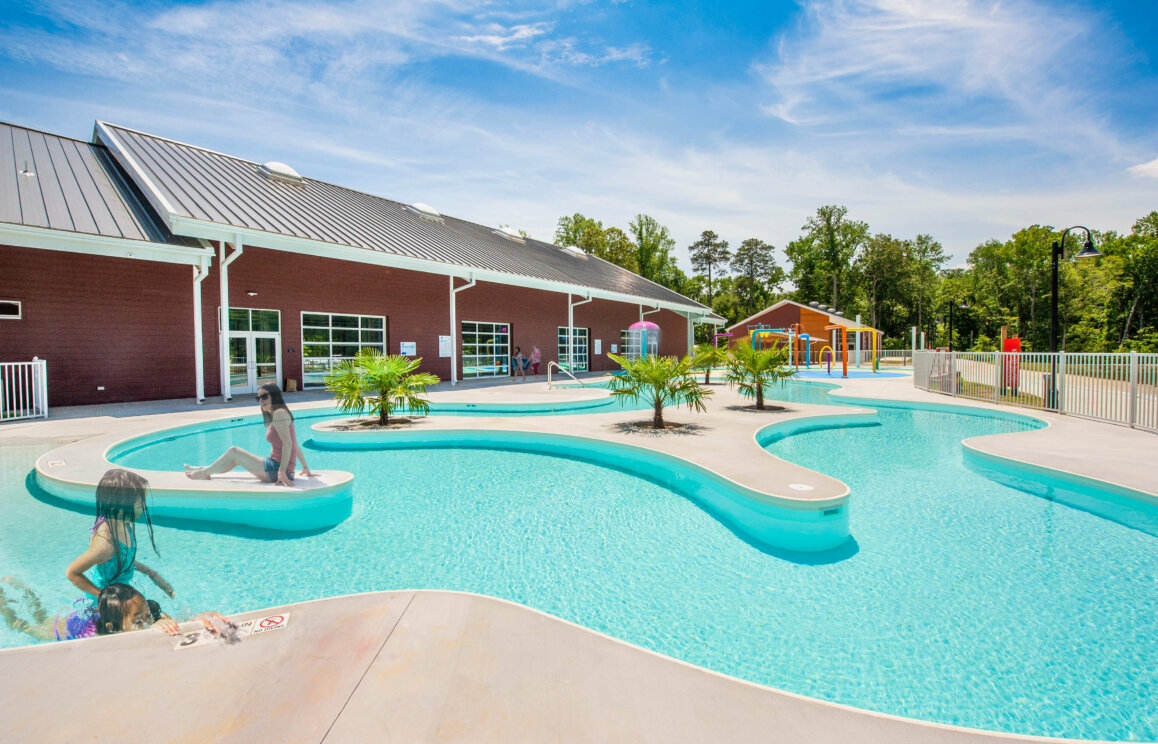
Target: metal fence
23, 390
1119, 388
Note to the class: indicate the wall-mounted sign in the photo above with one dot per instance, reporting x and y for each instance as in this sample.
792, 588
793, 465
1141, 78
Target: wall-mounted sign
407, 348
598, 346
615, 348
444, 346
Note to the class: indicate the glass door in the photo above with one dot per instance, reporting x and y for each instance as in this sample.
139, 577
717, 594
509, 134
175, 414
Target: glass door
254, 349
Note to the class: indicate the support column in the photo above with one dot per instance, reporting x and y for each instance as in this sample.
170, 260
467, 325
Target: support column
571, 330
199, 274
857, 340
223, 320
454, 327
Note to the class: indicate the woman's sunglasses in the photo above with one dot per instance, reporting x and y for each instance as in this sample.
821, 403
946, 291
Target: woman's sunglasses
263, 396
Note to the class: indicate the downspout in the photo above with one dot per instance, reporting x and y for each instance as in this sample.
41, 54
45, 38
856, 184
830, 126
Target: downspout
454, 327
199, 274
223, 321
571, 331
649, 312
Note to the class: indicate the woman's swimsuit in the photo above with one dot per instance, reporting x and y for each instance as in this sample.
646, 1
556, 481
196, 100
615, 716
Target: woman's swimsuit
272, 463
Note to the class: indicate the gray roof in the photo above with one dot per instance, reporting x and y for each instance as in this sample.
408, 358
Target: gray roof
200, 184
65, 184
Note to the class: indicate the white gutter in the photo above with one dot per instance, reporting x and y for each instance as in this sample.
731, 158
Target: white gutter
223, 320
199, 274
649, 312
23, 236
571, 331
454, 327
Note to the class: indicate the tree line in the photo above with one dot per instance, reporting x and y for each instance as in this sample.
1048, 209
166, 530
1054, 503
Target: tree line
895, 283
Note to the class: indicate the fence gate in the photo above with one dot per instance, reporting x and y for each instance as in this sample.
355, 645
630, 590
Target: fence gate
23, 390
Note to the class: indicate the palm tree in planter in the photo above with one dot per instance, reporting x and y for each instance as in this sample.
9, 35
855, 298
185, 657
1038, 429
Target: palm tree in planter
707, 357
384, 382
660, 380
755, 369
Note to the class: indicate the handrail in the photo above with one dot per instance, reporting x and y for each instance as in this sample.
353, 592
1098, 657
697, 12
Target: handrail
556, 366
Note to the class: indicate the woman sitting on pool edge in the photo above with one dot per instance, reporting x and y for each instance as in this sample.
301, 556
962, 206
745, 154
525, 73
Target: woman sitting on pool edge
279, 466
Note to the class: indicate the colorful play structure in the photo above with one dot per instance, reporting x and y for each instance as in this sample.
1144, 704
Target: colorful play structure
794, 336
642, 339
844, 331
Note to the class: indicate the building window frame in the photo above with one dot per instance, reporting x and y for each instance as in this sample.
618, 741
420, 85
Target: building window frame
582, 339
486, 349
19, 315
355, 332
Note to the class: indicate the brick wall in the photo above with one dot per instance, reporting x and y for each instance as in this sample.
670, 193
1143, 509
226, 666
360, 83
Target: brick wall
127, 324
120, 323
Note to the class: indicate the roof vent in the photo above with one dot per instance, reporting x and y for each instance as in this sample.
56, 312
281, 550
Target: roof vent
814, 303
281, 172
575, 250
425, 211
510, 233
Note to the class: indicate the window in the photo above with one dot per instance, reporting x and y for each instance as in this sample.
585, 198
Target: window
11, 310
329, 339
486, 349
579, 337
244, 319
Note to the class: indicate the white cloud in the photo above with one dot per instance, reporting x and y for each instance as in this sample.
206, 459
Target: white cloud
1147, 170
939, 63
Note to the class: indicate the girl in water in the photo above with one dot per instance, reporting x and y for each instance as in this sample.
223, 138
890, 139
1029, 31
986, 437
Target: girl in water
119, 608
112, 547
279, 466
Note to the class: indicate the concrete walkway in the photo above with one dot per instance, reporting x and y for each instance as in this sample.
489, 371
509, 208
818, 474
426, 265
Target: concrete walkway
412, 666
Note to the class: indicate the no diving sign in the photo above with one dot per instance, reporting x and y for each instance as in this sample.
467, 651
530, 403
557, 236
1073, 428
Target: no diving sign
246, 628
273, 622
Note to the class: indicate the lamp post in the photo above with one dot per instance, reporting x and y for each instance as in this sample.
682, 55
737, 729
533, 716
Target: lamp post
963, 306
1057, 250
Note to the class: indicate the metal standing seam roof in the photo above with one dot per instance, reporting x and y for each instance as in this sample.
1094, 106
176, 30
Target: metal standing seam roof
59, 183
200, 184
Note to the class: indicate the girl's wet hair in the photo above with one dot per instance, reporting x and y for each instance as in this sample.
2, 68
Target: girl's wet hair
117, 496
276, 401
112, 606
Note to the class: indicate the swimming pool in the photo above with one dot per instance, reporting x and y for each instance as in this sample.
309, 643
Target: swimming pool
961, 600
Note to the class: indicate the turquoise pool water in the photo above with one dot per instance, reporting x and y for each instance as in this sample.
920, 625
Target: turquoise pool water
961, 600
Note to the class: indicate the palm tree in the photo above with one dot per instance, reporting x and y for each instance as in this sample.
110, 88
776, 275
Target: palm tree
706, 357
754, 369
662, 380
386, 382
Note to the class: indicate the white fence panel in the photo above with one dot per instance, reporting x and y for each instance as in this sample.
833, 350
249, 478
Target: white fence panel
23, 390
1118, 388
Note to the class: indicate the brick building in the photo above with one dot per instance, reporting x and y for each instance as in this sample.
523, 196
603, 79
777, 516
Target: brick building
119, 257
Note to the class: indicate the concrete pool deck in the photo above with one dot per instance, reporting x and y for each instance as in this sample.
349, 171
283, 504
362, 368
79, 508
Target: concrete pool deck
436, 666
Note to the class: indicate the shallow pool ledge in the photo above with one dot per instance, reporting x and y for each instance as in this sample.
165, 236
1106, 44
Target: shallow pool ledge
235, 498
769, 521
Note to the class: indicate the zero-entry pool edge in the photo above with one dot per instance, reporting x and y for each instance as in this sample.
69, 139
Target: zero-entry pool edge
768, 522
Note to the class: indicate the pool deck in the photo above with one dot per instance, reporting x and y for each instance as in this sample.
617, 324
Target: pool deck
422, 666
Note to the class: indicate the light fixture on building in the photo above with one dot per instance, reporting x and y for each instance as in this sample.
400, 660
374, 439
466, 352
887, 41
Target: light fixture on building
251, 293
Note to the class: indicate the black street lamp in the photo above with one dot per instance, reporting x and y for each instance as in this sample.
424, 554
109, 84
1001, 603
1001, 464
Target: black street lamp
963, 306
1057, 250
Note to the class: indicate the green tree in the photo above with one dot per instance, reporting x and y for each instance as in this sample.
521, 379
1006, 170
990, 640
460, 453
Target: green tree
618, 249
653, 244
385, 382
828, 245
881, 263
708, 356
753, 369
925, 257
707, 253
758, 275
660, 380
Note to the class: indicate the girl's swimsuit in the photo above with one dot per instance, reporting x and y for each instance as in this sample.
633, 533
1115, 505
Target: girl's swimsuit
80, 623
119, 569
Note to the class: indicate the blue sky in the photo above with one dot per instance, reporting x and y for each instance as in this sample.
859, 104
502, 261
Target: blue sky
964, 119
